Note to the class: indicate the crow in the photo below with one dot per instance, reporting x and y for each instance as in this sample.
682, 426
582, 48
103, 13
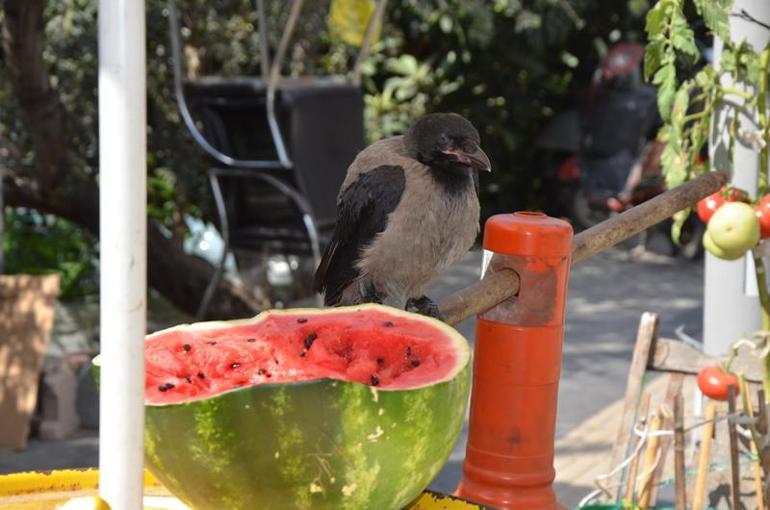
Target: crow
407, 209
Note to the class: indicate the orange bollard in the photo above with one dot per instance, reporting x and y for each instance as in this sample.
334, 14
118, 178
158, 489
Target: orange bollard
517, 362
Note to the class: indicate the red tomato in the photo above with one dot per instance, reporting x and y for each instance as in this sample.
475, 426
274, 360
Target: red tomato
763, 213
707, 206
713, 382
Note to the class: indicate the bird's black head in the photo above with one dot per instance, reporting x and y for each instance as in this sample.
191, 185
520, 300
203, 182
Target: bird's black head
446, 141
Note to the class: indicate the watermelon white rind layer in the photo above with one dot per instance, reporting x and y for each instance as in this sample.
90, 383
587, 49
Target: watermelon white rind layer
319, 444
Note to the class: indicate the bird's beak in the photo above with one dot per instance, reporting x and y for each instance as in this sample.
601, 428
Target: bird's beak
475, 158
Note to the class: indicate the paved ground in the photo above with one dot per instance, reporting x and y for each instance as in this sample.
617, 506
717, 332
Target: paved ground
607, 295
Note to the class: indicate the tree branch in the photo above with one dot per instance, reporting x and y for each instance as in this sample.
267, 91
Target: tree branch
41, 109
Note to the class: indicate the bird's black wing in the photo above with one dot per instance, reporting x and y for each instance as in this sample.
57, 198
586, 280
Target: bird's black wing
362, 213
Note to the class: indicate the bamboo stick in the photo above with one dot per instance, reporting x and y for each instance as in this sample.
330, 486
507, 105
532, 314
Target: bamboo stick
500, 285
633, 468
703, 460
649, 460
680, 481
735, 482
749, 410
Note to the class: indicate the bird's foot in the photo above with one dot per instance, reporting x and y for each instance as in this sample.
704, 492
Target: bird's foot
424, 306
372, 297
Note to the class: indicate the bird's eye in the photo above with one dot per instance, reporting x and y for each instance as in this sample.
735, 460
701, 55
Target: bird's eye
443, 140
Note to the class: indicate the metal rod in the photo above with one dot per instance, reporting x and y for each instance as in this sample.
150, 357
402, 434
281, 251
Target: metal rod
264, 50
123, 244
371, 28
272, 82
501, 285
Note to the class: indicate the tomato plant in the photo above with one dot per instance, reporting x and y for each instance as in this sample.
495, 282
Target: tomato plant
708, 206
713, 382
734, 227
763, 213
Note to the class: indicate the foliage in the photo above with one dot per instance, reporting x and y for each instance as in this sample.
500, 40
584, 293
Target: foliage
36, 244
508, 65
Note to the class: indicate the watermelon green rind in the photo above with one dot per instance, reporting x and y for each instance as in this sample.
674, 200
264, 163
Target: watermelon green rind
321, 444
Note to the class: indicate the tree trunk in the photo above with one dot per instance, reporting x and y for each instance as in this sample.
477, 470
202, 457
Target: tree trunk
181, 278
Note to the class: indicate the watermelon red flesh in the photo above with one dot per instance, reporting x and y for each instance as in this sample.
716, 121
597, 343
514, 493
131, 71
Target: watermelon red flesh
367, 346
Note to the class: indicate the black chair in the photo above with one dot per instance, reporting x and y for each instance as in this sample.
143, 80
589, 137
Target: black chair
279, 148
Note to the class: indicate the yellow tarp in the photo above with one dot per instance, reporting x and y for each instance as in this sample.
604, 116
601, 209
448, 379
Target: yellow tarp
52, 490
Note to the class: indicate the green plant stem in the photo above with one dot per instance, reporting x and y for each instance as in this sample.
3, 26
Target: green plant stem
738, 92
695, 116
764, 124
764, 301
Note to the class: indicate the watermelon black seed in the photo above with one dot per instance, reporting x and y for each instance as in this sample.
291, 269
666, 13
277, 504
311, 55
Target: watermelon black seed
408, 351
235, 365
375, 380
302, 354
251, 340
380, 361
415, 363
188, 378
310, 339
240, 383
261, 371
388, 324
211, 343
186, 347
201, 375
165, 387
301, 320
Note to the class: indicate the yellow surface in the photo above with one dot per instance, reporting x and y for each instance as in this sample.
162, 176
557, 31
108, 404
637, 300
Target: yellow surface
54, 489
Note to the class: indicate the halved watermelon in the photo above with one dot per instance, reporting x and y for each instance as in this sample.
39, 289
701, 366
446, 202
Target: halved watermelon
343, 408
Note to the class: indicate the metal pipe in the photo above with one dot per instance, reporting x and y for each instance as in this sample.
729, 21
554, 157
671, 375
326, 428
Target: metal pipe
272, 82
264, 51
123, 244
501, 285
371, 28
184, 110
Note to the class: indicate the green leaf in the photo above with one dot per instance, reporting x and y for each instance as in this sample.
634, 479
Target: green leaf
715, 14
655, 21
684, 41
675, 165
676, 227
665, 79
652, 57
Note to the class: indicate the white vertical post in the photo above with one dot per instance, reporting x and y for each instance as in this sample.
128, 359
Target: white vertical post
123, 243
729, 311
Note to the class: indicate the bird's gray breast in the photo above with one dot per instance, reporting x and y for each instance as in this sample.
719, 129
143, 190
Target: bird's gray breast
431, 228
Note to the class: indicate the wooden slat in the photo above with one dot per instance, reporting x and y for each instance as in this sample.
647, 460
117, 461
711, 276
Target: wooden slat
675, 356
648, 331
735, 480
680, 474
633, 467
703, 460
674, 388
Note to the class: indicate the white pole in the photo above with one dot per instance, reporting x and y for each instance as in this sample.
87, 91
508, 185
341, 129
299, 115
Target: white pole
123, 242
730, 306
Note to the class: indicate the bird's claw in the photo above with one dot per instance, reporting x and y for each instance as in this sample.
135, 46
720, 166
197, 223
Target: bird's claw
424, 306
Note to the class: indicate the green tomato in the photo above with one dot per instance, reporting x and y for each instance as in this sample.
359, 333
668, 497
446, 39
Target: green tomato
719, 252
734, 228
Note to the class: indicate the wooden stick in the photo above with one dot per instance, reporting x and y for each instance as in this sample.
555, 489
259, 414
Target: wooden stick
749, 410
703, 460
764, 452
735, 483
633, 467
646, 336
675, 382
649, 460
500, 285
680, 480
